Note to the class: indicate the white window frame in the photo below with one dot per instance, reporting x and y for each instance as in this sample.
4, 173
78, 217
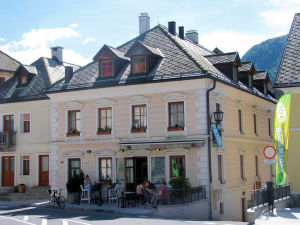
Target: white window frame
98, 119
244, 178
21, 165
2, 122
21, 130
67, 120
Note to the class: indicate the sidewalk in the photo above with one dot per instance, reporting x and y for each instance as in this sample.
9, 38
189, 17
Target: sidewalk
280, 216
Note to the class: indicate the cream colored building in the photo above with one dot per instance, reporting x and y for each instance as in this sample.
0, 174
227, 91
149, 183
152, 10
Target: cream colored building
137, 110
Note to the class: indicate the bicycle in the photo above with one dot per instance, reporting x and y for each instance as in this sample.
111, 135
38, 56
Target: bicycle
56, 198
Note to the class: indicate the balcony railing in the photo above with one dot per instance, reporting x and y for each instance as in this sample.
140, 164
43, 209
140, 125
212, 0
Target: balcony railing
259, 196
7, 138
182, 196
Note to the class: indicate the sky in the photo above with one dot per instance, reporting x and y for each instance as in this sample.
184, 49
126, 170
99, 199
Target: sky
29, 28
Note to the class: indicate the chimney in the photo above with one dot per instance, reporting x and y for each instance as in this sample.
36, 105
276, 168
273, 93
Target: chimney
192, 35
172, 27
68, 73
57, 54
144, 22
181, 32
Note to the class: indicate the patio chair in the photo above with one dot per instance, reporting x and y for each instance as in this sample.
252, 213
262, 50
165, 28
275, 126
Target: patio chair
113, 195
85, 195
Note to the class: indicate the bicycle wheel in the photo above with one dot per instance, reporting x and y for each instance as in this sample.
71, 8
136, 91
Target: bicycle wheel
52, 201
61, 201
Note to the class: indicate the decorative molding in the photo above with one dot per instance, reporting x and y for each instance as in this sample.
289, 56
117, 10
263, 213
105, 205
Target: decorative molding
104, 102
220, 150
74, 153
254, 109
70, 105
240, 104
270, 112
105, 152
177, 150
219, 98
139, 152
138, 99
175, 96
242, 151
256, 151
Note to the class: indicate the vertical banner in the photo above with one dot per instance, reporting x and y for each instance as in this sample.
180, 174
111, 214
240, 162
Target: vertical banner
281, 136
217, 135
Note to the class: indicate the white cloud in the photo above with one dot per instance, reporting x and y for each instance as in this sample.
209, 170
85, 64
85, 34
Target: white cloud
73, 25
88, 40
2, 39
36, 43
229, 41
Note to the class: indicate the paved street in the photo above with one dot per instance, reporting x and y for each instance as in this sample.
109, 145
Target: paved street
280, 217
47, 216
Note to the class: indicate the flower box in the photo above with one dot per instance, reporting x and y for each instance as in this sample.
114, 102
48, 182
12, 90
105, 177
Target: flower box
175, 128
104, 132
138, 130
73, 134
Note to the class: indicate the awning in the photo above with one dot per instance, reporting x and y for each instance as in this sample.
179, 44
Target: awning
160, 144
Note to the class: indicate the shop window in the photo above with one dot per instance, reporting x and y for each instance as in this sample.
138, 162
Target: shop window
177, 166
158, 170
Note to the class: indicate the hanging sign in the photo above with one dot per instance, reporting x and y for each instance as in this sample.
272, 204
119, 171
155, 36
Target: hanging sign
217, 135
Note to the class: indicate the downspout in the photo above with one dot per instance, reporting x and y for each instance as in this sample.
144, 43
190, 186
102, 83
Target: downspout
209, 149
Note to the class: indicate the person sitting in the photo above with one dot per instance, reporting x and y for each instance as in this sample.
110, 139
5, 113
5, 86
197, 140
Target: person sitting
161, 195
87, 183
139, 192
147, 193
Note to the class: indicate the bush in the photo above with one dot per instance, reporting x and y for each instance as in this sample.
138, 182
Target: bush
180, 183
75, 181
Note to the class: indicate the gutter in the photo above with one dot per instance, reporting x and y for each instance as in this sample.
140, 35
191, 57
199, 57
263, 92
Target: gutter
209, 148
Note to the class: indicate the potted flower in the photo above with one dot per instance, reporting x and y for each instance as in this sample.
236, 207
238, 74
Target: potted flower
138, 129
104, 131
176, 127
21, 188
73, 187
73, 132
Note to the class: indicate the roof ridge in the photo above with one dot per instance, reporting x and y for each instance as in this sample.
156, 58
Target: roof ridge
62, 62
227, 53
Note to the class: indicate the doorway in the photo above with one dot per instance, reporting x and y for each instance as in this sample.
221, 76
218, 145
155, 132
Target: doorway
243, 209
8, 170
43, 170
136, 172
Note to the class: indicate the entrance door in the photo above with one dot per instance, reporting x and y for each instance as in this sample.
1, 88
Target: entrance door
43, 170
243, 210
8, 170
136, 172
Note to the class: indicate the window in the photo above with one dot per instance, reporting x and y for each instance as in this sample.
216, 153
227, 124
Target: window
256, 166
74, 122
139, 64
139, 118
23, 80
221, 208
269, 127
2, 80
8, 123
176, 115
105, 120
242, 168
74, 166
218, 107
220, 169
25, 165
158, 170
25, 122
105, 168
241, 121
254, 124
107, 68
177, 166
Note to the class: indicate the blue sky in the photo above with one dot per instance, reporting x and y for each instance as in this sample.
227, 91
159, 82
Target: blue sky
29, 28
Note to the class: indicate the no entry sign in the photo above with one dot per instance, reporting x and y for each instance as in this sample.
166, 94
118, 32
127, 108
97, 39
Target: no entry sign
269, 152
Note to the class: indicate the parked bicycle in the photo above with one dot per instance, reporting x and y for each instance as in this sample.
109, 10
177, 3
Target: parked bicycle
56, 198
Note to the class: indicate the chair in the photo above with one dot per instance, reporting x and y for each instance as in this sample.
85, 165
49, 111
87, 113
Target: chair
113, 195
85, 195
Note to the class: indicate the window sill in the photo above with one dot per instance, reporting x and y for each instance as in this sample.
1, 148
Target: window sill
175, 128
138, 130
242, 132
73, 135
221, 182
104, 133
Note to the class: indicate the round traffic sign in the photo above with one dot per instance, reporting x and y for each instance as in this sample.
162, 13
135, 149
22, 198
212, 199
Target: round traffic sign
269, 152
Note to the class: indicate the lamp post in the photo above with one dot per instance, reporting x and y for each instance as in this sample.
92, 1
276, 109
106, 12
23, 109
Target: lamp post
218, 116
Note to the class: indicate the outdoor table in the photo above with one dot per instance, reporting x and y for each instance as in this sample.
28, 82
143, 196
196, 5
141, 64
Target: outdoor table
96, 188
128, 195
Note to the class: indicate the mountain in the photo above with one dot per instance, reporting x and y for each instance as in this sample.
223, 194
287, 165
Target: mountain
267, 55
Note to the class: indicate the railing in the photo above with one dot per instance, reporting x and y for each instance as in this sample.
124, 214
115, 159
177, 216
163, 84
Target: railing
182, 196
7, 138
259, 196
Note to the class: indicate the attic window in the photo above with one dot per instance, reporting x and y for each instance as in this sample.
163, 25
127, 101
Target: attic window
139, 51
139, 64
23, 80
107, 68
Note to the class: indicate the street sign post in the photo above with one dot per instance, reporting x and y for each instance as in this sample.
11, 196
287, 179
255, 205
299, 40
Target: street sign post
269, 154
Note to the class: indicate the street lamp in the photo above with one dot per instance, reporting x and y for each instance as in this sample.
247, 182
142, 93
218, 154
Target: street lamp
218, 116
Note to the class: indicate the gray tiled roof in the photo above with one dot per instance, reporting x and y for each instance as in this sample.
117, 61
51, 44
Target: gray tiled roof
7, 63
260, 75
246, 66
222, 58
118, 53
289, 69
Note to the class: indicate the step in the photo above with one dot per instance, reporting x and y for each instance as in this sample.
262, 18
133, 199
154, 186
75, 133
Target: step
23, 196
6, 189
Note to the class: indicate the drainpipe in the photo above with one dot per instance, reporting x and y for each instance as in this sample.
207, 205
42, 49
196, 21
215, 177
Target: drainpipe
209, 148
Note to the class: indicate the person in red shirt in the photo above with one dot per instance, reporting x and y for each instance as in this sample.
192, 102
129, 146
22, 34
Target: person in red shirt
161, 195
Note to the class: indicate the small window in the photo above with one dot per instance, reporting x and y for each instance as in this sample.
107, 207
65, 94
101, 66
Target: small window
269, 127
74, 123
74, 166
218, 107
8, 123
139, 64
254, 124
242, 167
256, 166
25, 123
105, 120
176, 115
105, 168
25, 165
240, 116
177, 166
139, 118
2, 80
220, 169
107, 68
23, 80
221, 208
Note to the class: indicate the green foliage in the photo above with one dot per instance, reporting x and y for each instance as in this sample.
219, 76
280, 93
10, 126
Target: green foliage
180, 183
267, 55
75, 181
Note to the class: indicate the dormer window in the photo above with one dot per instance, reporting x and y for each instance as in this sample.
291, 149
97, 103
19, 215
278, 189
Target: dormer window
107, 68
139, 64
23, 80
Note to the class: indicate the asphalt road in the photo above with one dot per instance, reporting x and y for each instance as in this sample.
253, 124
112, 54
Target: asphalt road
47, 216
